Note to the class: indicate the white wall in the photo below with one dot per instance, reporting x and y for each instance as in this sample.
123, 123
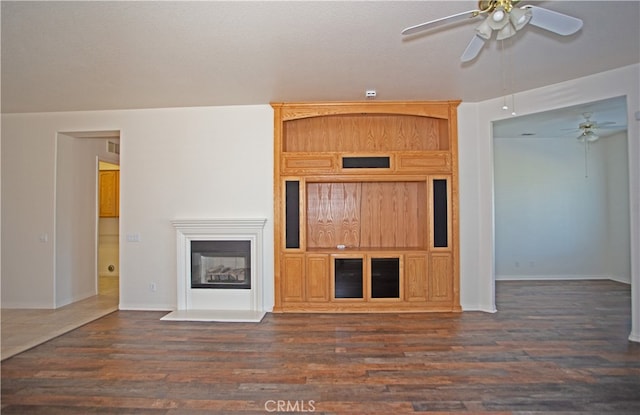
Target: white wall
619, 234
28, 178
476, 207
175, 163
552, 222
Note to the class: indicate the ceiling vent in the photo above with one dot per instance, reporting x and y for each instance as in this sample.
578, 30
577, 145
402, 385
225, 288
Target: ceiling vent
113, 147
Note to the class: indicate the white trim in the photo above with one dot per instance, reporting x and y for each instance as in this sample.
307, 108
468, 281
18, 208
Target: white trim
142, 307
188, 230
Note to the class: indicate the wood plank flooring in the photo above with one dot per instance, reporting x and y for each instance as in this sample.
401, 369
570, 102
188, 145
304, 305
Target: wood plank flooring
553, 347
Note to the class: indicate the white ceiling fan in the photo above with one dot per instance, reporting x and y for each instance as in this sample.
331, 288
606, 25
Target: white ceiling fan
588, 128
588, 135
504, 18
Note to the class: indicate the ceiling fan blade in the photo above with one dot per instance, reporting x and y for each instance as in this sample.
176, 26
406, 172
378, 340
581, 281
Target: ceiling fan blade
611, 127
439, 22
553, 21
473, 48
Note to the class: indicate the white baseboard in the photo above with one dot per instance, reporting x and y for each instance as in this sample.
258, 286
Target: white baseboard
143, 307
478, 307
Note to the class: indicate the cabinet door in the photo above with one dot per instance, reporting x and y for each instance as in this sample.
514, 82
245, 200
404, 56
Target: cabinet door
416, 277
317, 277
441, 277
292, 272
108, 181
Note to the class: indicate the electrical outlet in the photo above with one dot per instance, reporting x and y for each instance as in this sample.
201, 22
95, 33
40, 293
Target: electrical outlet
153, 287
133, 237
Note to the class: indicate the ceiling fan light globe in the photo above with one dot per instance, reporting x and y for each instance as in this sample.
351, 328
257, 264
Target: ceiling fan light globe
590, 136
498, 19
519, 17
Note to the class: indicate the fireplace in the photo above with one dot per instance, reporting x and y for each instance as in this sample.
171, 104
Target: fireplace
221, 264
219, 270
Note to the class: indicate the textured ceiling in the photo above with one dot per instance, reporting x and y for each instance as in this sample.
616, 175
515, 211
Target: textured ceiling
59, 56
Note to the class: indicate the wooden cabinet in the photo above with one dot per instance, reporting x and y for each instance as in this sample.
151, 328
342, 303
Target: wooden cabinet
109, 193
366, 207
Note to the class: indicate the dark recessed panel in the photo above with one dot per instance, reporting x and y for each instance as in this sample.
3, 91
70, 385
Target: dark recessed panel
292, 214
440, 220
348, 278
365, 163
385, 278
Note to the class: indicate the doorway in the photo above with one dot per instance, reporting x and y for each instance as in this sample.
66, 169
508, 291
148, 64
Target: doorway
562, 202
77, 212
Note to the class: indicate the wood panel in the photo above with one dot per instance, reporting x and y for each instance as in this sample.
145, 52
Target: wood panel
440, 281
317, 277
415, 276
333, 214
392, 214
364, 133
293, 277
292, 164
433, 162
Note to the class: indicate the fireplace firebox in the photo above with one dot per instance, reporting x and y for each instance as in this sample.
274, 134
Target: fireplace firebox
221, 264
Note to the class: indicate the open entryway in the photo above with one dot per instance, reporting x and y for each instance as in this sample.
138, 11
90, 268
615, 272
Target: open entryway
561, 195
87, 215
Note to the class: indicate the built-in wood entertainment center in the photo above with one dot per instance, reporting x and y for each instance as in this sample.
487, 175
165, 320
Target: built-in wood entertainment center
366, 207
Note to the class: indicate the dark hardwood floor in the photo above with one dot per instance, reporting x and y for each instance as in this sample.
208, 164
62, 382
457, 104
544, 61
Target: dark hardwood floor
554, 347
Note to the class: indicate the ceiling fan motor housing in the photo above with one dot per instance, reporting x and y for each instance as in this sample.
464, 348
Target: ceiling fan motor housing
491, 5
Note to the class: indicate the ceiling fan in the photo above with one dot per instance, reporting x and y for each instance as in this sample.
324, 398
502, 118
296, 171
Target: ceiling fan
588, 135
504, 18
588, 128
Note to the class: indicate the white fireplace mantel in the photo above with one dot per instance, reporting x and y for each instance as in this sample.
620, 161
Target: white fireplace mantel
238, 305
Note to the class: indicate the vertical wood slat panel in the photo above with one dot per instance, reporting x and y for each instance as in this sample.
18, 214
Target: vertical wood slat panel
333, 214
365, 133
391, 214
370, 214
